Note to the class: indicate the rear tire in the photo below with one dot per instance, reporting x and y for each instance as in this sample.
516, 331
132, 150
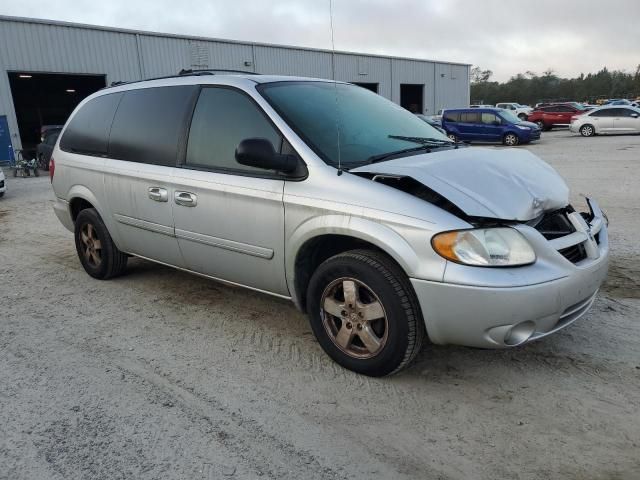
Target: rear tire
380, 330
540, 125
511, 140
522, 116
453, 137
98, 254
587, 130
36, 173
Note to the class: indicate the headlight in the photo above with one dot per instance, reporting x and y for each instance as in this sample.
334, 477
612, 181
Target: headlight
485, 247
521, 127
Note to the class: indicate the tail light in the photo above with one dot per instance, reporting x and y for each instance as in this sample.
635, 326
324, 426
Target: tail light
52, 169
574, 118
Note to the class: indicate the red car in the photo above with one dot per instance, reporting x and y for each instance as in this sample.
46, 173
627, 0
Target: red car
551, 116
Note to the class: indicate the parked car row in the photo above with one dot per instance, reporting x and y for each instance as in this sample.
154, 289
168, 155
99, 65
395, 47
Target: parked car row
606, 119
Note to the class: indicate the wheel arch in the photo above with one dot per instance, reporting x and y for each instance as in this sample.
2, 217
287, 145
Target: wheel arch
80, 197
321, 238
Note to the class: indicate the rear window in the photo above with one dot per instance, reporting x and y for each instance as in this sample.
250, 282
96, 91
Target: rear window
149, 124
451, 116
88, 130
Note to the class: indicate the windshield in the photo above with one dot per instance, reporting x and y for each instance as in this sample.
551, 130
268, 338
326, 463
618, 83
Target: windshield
366, 121
509, 116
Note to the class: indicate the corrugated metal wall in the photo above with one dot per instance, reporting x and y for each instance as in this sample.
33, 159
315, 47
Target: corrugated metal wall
56, 47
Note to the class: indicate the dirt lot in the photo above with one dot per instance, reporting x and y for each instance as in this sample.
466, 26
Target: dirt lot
159, 374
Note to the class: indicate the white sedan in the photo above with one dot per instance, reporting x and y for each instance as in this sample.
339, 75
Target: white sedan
3, 184
607, 119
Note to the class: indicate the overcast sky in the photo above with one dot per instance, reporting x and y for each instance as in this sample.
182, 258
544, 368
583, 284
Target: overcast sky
568, 36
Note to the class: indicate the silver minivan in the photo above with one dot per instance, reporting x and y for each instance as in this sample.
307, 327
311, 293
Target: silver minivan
378, 226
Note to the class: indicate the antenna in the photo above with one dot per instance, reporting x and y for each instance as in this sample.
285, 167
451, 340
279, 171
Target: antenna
335, 85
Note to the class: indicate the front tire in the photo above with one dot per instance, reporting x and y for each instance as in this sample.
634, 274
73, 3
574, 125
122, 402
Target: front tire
587, 130
98, 254
364, 313
511, 140
522, 116
452, 137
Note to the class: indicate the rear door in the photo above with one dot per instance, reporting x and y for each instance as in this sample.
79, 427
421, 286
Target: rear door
147, 135
229, 218
470, 126
603, 120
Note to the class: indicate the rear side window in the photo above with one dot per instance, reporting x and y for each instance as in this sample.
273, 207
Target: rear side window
88, 130
606, 112
149, 124
452, 116
470, 117
223, 117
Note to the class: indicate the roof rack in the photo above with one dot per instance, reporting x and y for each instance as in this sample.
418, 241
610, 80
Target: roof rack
212, 71
183, 73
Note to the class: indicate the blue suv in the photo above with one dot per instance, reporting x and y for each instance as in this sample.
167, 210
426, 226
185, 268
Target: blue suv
488, 125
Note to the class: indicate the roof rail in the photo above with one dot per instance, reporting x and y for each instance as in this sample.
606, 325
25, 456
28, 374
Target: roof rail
183, 73
212, 71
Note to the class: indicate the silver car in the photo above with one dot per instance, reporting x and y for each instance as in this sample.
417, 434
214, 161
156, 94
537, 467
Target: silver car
368, 219
607, 119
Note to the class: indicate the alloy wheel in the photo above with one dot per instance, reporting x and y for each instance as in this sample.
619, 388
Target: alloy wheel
587, 130
510, 140
91, 245
354, 318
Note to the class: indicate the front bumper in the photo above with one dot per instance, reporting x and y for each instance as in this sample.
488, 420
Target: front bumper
501, 308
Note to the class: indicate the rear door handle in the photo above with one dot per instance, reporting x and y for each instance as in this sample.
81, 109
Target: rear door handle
158, 194
186, 199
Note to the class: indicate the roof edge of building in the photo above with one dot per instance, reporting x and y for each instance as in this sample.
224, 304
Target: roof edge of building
87, 26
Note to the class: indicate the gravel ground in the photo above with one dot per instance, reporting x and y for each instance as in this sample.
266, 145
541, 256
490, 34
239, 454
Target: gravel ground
159, 374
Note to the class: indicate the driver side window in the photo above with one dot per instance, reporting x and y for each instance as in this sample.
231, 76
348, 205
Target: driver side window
223, 117
489, 118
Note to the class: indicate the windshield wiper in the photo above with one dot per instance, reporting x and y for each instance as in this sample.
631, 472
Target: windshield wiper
426, 143
384, 156
423, 140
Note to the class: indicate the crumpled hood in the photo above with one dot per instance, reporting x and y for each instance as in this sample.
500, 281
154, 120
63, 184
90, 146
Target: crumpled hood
507, 184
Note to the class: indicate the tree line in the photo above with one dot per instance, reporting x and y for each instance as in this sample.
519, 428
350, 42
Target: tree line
530, 88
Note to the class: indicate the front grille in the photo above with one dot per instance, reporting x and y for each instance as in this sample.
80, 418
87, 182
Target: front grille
554, 224
574, 253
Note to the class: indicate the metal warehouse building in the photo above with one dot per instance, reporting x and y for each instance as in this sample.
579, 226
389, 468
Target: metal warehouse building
48, 67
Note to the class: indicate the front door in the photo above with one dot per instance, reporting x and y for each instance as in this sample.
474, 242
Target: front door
229, 218
492, 126
625, 121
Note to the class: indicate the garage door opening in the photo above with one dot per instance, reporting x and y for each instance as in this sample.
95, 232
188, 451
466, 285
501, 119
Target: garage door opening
369, 86
42, 99
411, 97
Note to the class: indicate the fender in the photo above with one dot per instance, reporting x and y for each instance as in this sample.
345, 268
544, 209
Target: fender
378, 234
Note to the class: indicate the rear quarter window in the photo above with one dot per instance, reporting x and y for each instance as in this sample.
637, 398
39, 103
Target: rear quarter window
150, 124
88, 130
451, 116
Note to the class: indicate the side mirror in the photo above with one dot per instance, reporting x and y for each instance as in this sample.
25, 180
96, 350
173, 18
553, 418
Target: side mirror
259, 153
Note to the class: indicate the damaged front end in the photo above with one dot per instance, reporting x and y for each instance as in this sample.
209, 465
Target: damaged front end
492, 189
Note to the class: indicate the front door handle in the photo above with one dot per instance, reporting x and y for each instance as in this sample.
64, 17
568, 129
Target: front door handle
186, 199
158, 194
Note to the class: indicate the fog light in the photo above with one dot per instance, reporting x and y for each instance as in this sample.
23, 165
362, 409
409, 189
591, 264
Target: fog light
520, 333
